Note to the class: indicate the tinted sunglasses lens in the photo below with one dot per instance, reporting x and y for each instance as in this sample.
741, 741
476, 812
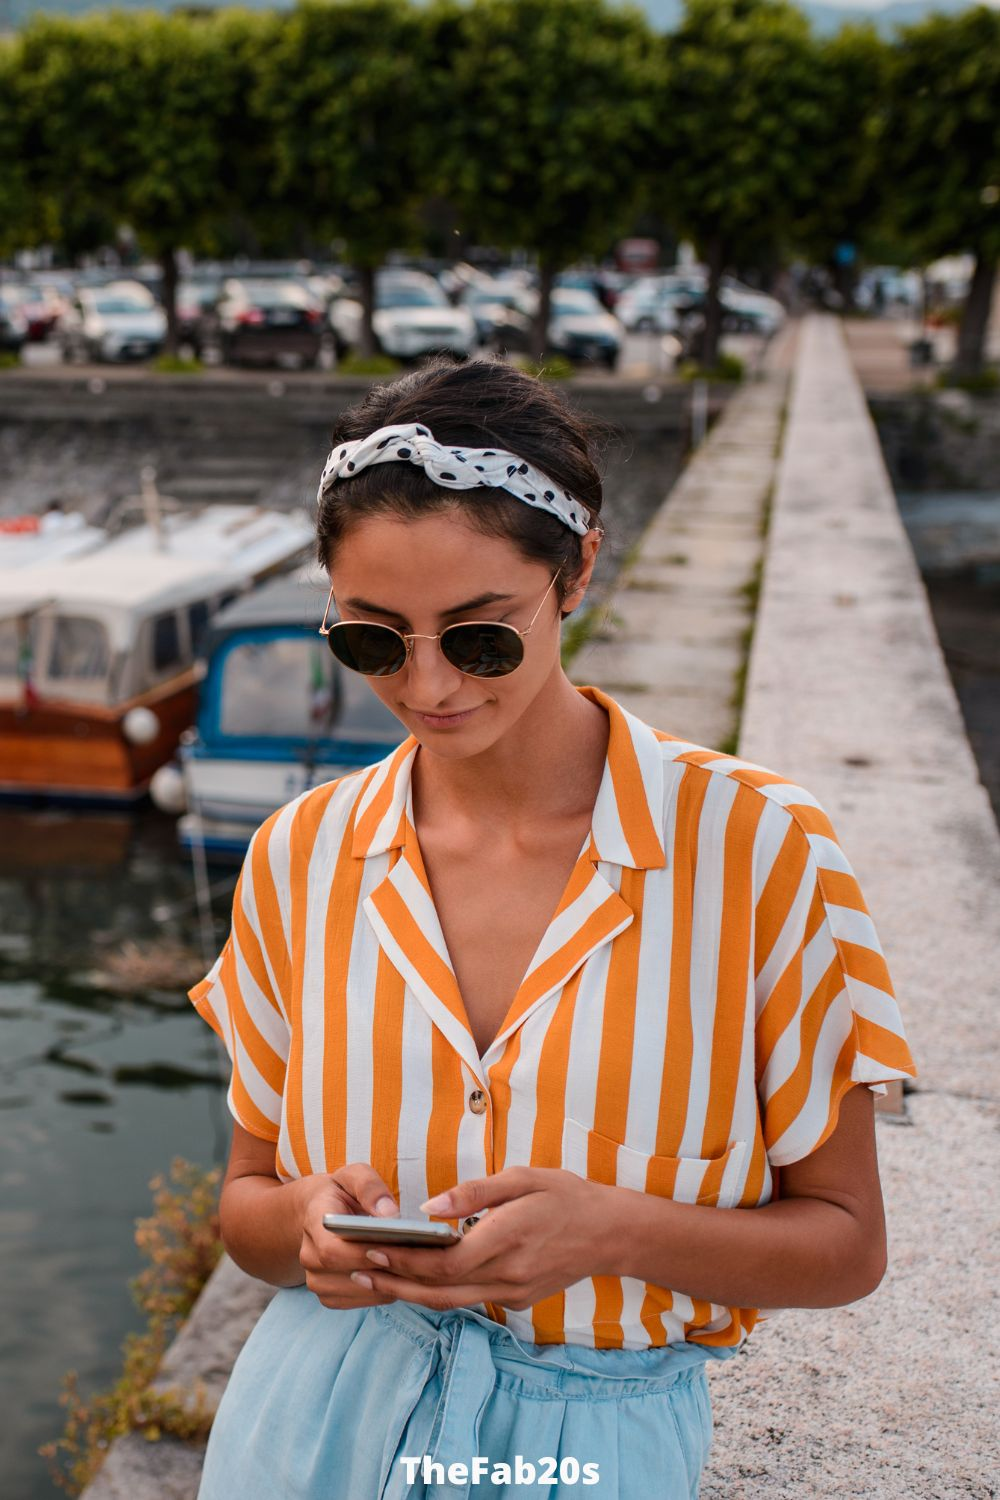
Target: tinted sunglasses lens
374, 650
483, 650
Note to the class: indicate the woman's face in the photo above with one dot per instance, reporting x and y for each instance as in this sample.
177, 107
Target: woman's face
422, 575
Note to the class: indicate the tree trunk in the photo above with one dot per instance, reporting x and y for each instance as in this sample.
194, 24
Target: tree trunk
168, 264
971, 351
712, 308
366, 345
540, 327
844, 281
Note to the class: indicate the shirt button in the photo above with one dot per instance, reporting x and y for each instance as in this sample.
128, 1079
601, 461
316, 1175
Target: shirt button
477, 1101
468, 1223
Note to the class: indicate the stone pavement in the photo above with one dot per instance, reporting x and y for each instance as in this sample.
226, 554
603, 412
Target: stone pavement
848, 694
672, 640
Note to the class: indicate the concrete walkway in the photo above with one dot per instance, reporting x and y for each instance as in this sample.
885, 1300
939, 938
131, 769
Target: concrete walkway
672, 639
848, 694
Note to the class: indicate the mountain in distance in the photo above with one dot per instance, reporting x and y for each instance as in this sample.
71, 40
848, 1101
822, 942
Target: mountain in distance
826, 16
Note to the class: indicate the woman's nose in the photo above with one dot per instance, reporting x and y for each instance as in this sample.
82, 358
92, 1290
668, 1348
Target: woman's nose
431, 670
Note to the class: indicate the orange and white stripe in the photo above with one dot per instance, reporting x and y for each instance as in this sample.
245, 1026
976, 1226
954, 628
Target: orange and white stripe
709, 986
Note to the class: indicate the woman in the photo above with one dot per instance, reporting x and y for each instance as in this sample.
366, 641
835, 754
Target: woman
590, 982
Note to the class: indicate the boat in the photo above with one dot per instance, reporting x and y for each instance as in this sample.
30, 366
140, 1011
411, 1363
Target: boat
31, 541
100, 653
277, 714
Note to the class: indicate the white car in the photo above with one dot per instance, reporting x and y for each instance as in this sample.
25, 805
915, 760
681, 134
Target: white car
656, 304
120, 320
581, 327
412, 316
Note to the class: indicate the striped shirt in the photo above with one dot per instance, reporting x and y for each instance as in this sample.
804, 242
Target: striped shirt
708, 988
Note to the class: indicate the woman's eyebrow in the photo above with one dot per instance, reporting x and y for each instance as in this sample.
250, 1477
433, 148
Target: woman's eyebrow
457, 609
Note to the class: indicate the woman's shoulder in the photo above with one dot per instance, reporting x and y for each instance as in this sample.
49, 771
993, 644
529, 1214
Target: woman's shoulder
721, 775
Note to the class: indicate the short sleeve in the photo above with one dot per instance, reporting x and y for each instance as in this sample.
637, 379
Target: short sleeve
242, 997
826, 1012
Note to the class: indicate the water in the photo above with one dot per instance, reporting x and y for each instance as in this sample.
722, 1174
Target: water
98, 1092
956, 541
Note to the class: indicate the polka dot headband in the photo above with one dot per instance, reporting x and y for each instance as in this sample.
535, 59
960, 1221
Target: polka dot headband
458, 468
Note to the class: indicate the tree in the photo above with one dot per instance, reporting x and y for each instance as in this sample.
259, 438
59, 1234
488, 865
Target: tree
738, 125
546, 114
943, 156
846, 151
343, 97
136, 119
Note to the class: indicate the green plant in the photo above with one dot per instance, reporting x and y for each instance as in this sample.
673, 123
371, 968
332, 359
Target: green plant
9, 360
182, 1241
372, 364
726, 367
983, 383
175, 364
555, 367
578, 628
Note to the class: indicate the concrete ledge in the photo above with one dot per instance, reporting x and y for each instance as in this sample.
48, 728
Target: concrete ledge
849, 695
203, 1353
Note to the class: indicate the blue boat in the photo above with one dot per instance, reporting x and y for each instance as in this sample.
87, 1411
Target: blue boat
277, 714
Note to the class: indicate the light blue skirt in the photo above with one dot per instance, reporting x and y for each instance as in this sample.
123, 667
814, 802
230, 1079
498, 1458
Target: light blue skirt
326, 1404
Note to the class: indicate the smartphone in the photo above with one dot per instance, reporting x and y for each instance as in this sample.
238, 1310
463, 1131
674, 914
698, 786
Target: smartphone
391, 1231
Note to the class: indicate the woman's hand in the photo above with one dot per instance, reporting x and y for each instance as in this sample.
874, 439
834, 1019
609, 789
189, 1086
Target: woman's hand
544, 1236
328, 1259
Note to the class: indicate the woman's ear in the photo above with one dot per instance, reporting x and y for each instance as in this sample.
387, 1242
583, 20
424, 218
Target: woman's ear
590, 545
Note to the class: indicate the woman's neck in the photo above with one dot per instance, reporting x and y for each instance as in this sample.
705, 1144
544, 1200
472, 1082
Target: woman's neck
547, 768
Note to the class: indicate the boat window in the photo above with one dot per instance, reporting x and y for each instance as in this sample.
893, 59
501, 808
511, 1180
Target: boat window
79, 648
198, 614
282, 686
9, 648
166, 643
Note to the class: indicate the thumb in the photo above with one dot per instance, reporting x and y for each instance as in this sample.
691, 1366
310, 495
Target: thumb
476, 1193
371, 1191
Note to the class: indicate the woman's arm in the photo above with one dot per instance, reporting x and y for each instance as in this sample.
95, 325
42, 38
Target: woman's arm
260, 1217
822, 1244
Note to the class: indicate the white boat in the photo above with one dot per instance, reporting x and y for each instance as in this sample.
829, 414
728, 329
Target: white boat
100, 653
30, 541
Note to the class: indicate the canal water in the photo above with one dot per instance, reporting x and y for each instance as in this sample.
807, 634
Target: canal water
99, 1090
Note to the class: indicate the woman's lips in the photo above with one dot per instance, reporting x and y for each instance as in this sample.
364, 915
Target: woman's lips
445, 721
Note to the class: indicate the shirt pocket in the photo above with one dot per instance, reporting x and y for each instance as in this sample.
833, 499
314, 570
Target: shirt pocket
714, 1181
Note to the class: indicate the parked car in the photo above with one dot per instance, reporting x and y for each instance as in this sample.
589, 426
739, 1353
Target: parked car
120, 320
264, 320
44, 305
581, 329
745, 310
195, 297
502, 311
13, 319
658, 304
412, 317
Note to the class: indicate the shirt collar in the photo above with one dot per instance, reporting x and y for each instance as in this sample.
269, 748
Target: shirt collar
628, 814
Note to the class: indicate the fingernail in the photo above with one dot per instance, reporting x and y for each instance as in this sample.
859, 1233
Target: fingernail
439, 1205
361, 1279
377, 1257
386, 1206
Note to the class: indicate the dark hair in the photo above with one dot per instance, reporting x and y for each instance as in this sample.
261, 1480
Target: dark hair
482, 403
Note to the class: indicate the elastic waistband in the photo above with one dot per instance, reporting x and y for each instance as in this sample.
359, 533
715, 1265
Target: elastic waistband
567, 1369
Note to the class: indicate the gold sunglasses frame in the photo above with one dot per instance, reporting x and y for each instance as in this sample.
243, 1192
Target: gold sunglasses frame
409, 637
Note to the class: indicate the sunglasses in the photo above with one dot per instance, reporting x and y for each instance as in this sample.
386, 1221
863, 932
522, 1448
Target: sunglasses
480, 648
